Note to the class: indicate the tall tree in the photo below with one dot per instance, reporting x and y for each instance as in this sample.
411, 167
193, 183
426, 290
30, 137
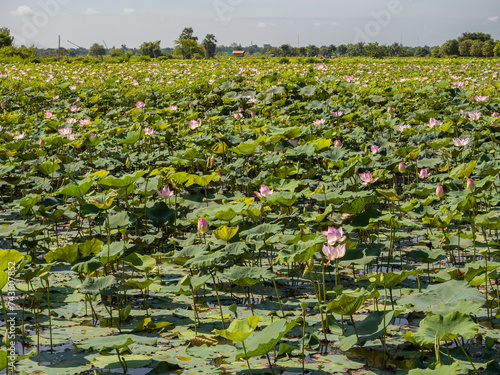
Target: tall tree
5, 38
97, 50
151, 49
186, 46
475, 36
209, 43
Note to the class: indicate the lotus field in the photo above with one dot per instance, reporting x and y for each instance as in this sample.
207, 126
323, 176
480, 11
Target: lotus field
251, 217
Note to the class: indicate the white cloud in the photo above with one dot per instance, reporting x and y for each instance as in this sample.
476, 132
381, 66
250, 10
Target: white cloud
90, 11
128, 10
317, 24
22, 10
493, 19
260, 25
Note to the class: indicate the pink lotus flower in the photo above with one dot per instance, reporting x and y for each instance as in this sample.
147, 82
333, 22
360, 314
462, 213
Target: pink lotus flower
440, 192
148, 131
433, 123
470, 184
403, 127
375, 149
193, 124
74, 108
41, 142
264, 190
319, 122
71, 137
333, 235
71, 120
202, 226
367, 178
65, 131
495, 114
165, 192
337, 113
473, 116
251, 100
479, 98
48, 115
423, 173
348, 78
19, 136
140, 104
84, 122
332, 253
390, 110
2, 105
173, 107
338, 143
401, 167
238, 115
461, 142
72, 88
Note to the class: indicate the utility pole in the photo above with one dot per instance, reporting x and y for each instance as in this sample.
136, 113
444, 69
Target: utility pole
298, 40
59, 50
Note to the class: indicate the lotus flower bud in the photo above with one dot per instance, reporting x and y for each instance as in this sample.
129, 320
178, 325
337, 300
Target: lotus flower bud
470, 184
202, 226
440, 192
401, 167
337, 143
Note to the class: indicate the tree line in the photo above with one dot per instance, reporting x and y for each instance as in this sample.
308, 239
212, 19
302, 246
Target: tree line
187, 46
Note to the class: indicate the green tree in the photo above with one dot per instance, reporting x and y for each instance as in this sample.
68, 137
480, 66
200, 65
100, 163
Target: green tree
151, 49
312, 51
464, 47
210, 45
422, 52
436, 52
187, 46
488, 48
450, 48
476, 48
342, 49
97, 50
374, 50
5, 38
475, 36
496, 50
115, 52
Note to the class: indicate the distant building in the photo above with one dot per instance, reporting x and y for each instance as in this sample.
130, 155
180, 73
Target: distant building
238, 53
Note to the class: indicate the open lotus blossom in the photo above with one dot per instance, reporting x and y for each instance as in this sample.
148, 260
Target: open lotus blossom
433, 123
403, 127
461, 142
238, 115
148, 131
470, 184
71, 120
337, 113
48, 115
333, 235
165, 192
319, 122
473, 116
193, 124
140, 104
495, 114
84, 122
264, 190
19, 136
367, 178
348, 78
72, 88
440, 192
375, 149
479, 98
65, 131
74, 108
202, 226
71, 137
332, 253
173, 107
338, 143
423, 173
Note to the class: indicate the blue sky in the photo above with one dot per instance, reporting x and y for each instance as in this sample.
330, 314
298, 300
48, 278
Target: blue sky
275, 22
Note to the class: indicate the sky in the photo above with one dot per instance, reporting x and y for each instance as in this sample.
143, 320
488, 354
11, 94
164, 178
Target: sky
245, 22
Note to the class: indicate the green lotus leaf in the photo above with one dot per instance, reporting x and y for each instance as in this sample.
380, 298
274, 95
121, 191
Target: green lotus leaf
438, 370
247, 276
262, 342
122, 182
145, 263
97, 285
77, 190
9, 258
239, 330
445, 328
